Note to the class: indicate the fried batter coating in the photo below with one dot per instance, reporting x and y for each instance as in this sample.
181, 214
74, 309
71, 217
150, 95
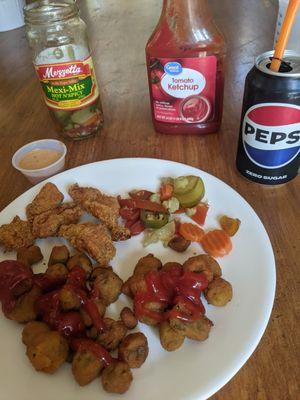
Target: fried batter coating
82, 261
109, 285
59, 255
48, 198
205, 264
170, 338
92, 238
171, 265
117, 378
57, 271
218, 292
32, 330
128, 317
48, 351
155, 306
101, 306
134, 349
146, 264
24, 310
86, 367
68, 299
29, 255
105, 208
196, 330
48, 223
16, 234
115, 332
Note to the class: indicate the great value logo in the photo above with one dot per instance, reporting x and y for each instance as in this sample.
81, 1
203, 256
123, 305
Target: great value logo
271, 134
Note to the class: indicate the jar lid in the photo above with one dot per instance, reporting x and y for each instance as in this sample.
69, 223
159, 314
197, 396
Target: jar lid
49, 11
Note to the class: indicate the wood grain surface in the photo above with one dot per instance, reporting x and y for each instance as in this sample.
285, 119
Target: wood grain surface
118, 32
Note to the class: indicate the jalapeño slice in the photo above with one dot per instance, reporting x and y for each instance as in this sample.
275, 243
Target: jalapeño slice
191, 197
154, 220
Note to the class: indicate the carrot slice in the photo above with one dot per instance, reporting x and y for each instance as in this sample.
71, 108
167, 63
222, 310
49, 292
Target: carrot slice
200, 213
191, 232
216, 243
166, 191
229, 225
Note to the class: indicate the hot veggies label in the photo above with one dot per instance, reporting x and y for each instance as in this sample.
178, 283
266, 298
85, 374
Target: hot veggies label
68, 85
183, 90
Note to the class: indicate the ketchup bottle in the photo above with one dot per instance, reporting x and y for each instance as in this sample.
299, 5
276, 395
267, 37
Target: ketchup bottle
185, 62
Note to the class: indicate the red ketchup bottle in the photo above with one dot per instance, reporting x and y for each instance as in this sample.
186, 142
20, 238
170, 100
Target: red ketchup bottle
185, 61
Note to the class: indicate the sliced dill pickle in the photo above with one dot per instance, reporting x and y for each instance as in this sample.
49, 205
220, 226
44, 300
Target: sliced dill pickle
184, 184
193, 196
62, 115
81, 116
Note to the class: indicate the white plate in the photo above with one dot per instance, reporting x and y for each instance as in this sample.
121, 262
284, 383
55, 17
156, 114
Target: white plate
197, 370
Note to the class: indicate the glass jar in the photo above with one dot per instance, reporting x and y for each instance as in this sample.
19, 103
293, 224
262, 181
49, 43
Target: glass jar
61, 55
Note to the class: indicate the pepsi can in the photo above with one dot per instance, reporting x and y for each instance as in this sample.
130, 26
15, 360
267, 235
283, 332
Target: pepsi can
269, 140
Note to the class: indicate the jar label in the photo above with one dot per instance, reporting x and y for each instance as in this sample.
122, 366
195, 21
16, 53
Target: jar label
68, 85
183, 90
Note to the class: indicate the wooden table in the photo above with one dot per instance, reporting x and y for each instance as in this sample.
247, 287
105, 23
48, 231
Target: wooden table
118, 32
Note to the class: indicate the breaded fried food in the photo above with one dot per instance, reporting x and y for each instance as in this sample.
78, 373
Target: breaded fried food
48, 223
16, 234
48, 351
48, 198
105, 208
91, 238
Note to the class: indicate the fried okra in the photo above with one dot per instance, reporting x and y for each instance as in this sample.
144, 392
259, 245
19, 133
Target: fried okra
29, 255
205, 264
146, 264
48, 351
170, 338
68, 299
117, 377
218, 292
57, 271
196, 330
152, 306
134, 349
32, 330
80, 260
59, 255
86, 367
108, 284
112, 336
101, 306
24, 310
128, 317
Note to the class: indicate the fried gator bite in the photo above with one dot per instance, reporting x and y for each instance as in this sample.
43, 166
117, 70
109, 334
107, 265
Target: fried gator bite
16, 234
48, 223
105, 208
91, 238
47, 199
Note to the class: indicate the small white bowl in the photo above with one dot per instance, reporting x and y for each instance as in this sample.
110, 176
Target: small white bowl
38, 175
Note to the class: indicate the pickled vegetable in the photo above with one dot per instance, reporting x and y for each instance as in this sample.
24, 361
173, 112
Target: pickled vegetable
191, 193
184, 184
229, 225
154, 220
163, 234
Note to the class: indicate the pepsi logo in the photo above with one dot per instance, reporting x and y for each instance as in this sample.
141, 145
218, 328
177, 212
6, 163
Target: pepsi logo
271, 134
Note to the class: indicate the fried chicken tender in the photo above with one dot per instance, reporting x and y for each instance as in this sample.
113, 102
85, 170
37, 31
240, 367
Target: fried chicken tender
16, 234
48, 198
105, 208
91, 238
48, 223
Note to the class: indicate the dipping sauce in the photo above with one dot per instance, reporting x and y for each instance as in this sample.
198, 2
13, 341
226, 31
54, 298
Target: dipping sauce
39, 158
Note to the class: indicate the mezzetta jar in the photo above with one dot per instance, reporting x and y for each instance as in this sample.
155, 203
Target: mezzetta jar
63, 63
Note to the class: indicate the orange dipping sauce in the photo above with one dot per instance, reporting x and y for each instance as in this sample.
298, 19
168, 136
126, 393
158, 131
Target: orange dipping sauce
39, 158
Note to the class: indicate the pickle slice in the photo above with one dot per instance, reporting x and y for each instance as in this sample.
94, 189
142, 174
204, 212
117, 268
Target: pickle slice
81, 116
193, 196
184, 184
154, 220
